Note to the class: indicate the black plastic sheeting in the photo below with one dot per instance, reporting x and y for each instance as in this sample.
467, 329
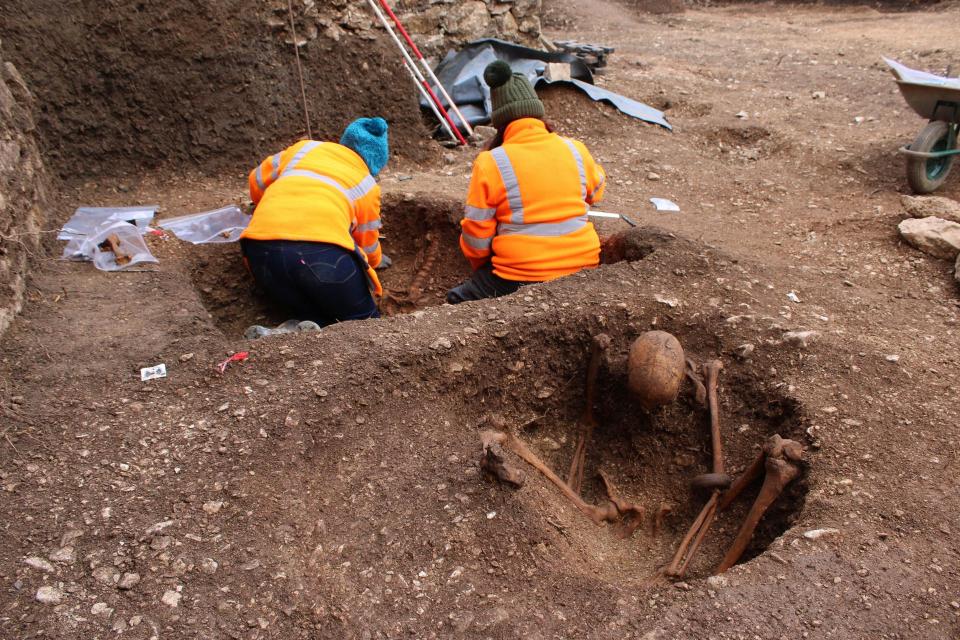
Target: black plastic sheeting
461, 73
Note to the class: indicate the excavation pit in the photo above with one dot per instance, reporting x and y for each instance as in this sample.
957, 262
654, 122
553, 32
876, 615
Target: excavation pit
414, 231
651, 458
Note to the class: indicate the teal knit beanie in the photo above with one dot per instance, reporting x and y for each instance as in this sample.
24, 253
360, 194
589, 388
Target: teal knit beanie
512, 95
368, 137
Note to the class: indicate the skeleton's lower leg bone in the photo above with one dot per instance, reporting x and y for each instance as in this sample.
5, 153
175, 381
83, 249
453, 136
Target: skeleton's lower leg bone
616, 510
698, 531
598, 345
710, 512
674, 568
780, 472
746, 479
518, 447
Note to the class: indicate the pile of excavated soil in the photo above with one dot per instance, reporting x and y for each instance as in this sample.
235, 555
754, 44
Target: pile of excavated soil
128, 84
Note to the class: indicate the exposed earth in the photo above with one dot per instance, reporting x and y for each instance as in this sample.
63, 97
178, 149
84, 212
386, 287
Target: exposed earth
329, 486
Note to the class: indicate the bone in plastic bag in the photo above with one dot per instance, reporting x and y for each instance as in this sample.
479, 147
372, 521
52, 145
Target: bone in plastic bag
220, 225
132, 249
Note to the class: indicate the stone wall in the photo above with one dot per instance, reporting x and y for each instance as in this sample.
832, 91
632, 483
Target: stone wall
435, 25
22, 190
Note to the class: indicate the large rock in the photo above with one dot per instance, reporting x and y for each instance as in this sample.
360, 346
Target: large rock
936, 236
926, 206
470, 20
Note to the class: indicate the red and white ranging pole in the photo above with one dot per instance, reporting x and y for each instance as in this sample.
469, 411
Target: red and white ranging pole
426, 66
422, 83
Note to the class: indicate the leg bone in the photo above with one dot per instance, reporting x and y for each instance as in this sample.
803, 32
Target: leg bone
779, 473
598, 345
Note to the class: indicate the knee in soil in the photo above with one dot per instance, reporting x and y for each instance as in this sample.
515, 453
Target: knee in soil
421, 236
651, 457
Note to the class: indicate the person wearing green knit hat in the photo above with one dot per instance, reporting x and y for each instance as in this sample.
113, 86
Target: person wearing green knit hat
511, 95
525, 219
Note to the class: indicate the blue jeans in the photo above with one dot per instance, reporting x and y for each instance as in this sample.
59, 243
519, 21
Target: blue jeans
313, 280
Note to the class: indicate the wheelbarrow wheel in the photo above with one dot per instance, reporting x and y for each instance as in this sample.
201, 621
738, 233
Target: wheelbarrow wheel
926, 175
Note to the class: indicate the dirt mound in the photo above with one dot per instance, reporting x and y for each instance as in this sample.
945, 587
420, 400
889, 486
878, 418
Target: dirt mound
125, 84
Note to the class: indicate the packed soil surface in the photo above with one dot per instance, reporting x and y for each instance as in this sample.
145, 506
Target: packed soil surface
329, 485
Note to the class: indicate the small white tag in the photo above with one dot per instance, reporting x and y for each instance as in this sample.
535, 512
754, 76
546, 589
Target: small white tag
149, 373
662, 204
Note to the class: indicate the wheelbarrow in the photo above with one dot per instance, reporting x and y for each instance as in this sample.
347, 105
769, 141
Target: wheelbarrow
936, 98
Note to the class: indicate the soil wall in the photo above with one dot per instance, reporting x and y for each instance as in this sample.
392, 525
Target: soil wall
127, 83
22, 190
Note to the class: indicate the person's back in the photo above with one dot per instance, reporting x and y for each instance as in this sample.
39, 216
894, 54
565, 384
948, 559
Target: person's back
315, 195
525, 219
313, 243
537, 182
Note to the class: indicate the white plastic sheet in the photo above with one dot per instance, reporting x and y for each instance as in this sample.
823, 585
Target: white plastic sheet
662, 204
86, 219
220, 225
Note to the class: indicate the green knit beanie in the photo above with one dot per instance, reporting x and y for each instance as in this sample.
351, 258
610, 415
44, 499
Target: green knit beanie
512, 95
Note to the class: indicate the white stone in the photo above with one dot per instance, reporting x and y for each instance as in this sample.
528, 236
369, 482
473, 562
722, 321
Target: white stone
441, 343
64, 554
49, 595
718, 582
800, 339
814, 534
171, 598
209, 565
39, 563
932, 235
106, 575
154, 529
925, 206
212, 507
101, 609
129, 581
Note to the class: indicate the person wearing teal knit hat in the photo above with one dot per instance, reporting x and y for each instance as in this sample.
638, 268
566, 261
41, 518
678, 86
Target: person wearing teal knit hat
314, 241
368, 137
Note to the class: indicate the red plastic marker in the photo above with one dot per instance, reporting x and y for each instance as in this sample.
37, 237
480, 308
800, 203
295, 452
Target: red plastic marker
237, 357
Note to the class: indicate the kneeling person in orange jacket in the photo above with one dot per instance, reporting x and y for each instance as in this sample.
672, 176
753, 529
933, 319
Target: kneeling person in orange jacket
525, 220
313, 243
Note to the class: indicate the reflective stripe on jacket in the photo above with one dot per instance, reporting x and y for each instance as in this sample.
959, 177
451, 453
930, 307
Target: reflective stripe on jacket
318, 192
527, 206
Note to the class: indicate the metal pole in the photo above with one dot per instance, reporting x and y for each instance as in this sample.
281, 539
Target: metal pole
426, 66
446, 120
423, 92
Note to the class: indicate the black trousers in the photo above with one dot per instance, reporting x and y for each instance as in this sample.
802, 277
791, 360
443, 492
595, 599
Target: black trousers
483, 283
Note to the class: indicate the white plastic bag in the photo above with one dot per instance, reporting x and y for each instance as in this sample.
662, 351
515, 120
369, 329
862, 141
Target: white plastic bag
220, 225
85, 220
131, 243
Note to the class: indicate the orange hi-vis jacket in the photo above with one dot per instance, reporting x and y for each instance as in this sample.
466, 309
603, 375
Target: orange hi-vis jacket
527, 206
318, 192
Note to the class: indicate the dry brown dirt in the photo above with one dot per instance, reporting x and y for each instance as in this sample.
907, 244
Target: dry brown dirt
329, 487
